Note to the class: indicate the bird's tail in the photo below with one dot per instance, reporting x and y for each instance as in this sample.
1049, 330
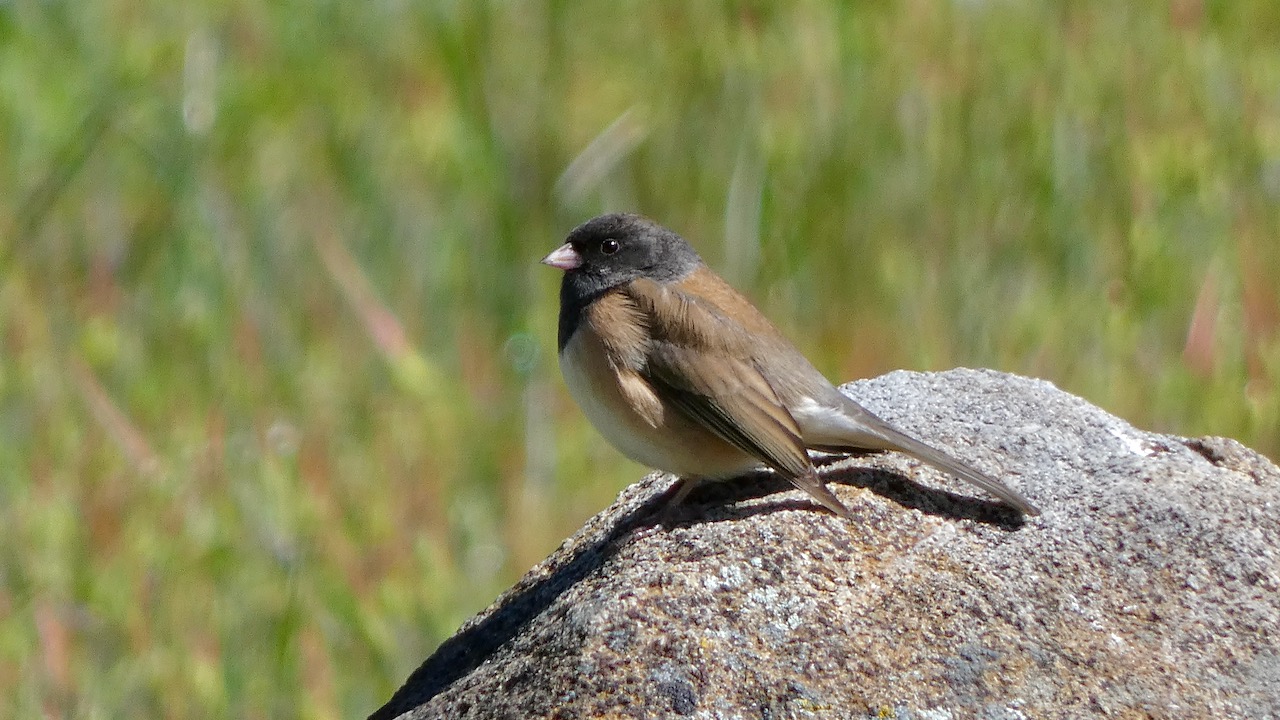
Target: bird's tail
940, 460
855, 428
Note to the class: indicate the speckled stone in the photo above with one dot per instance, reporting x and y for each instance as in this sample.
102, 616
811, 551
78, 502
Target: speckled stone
1150, 587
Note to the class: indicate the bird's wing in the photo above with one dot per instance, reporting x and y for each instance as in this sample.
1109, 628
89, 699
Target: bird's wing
702, 363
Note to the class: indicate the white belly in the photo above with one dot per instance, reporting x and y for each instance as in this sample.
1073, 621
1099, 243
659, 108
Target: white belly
674, 444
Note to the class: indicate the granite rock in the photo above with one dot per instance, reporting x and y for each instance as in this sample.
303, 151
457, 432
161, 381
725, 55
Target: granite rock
1150, 586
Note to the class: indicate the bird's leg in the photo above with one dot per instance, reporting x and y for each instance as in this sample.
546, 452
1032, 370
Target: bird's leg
683, 487
676, 495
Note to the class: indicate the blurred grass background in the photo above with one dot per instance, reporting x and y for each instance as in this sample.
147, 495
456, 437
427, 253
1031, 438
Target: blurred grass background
279, 405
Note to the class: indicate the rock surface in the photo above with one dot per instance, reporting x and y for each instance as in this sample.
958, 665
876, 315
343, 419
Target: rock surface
1150, 587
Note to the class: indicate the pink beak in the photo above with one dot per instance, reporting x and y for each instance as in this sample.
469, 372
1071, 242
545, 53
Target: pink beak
563, 257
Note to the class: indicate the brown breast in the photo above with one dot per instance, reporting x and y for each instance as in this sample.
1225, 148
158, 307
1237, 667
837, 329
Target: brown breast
602, 363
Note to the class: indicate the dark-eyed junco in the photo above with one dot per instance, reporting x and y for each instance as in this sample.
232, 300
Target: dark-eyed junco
682, 373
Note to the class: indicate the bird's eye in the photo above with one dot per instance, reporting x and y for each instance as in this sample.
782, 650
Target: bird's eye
610, 246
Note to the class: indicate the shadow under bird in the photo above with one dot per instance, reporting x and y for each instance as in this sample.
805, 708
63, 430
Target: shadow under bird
682, 373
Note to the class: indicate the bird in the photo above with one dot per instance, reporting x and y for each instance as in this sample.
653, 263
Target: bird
680, 372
